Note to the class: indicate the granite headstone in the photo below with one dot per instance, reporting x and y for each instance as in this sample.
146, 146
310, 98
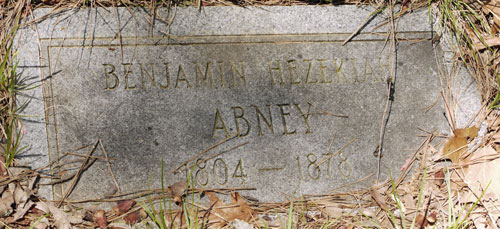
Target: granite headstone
268, 97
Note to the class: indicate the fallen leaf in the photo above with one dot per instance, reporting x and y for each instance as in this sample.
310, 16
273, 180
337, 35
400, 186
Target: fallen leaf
332, 209
238, 224
6, 203
176, 191
132, 218
61, 220
216, 216
20, 195
457, 144
271, 221
408, 201
420, 221
174, 219
379, 198
491, 42
470, 132
21, 198
480, 174
123, 206
101, 219
242, 211
220, 213
75, 219
89, 216
439, 178
493, 8
21, 210
368, 212
481, 221
3, 170
42, 224
432, 218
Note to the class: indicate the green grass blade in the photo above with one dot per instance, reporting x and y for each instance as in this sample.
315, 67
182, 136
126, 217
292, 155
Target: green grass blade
289, 223
419, 202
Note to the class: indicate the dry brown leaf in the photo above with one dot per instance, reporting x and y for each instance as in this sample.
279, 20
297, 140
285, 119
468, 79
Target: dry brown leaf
457, 144
61, 220
21, 198
495, 138
439, 178
239, 224
332, 209
216, 212
6, 203
3, 170
123, 206
493, 7
368, 212
176, 191
101, 219
491, 42
133, 217
420, 221
408, 201
379, 198
242, 211
42, 224
432, 218
21, 210
175, 219
220, 213
333, 212
271, 221
479, 175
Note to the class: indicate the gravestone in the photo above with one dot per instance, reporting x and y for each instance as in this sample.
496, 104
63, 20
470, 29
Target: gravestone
257, 97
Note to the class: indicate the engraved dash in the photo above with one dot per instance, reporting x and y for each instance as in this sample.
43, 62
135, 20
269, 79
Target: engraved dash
270, 169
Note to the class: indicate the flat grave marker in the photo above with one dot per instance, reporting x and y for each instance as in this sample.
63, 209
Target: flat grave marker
300, 112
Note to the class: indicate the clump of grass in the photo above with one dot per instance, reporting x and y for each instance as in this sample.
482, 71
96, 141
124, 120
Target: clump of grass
400, 205
458, 220
158, 215
9, 87
189, 213
470, 28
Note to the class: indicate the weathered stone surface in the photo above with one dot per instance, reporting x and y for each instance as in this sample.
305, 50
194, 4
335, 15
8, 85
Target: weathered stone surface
277, 75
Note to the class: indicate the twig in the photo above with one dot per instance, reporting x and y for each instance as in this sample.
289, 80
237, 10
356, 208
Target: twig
204, 151
352, 183
65, 178
141, 193
153, 12
321, 112
75, 178
94, 157
401, 177
333, 154
118, 34
448, 112
329, 114
331, 145
382, 127
367, 19
109, 166
390, 85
